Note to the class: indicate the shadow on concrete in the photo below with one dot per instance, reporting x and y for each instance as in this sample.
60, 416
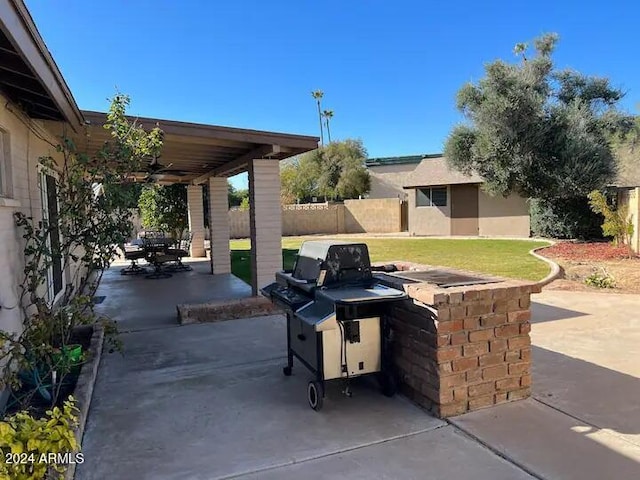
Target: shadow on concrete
210, 401
549, 444
541, 312
597, 395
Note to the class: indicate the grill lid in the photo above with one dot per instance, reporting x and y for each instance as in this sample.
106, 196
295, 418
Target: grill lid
332, 262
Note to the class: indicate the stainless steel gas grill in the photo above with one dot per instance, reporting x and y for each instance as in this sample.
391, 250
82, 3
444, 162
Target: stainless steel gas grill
334, 309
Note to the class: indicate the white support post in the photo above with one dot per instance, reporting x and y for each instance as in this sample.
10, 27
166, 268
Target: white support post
219, 225
196, 220
265, 222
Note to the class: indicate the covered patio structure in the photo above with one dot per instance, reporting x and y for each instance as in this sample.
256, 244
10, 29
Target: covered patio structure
197, 155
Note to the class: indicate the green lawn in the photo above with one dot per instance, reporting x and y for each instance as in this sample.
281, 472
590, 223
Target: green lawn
506, 258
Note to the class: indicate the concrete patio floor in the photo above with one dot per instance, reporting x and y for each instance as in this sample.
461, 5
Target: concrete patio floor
139, 303
209, 401
583, 421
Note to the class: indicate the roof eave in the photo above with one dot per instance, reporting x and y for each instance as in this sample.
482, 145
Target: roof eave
428, 185
18, 25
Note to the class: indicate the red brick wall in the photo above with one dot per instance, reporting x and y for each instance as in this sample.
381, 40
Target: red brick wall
463, 348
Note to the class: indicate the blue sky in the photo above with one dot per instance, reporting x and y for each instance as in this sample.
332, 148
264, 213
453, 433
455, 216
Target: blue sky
389, 69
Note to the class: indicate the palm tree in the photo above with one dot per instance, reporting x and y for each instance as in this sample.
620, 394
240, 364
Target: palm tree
317, 94
328, 115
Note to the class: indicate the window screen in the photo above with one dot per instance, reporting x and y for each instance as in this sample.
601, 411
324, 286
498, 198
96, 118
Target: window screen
431, 197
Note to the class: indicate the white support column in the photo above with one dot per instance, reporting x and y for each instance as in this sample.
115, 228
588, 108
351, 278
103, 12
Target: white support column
219, 225
265, 221
196, 220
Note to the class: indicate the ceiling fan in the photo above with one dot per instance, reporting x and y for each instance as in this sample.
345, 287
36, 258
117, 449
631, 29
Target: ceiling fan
156, 171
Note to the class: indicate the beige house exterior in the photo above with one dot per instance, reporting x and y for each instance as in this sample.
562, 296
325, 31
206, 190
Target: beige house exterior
630, 197
32, 92
36, 106
446, 202
628, 191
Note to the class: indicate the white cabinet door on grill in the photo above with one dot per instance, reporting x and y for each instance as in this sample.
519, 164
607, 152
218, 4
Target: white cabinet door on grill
361, 358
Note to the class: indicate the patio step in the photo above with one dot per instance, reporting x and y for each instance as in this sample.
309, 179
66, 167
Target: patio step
222, 310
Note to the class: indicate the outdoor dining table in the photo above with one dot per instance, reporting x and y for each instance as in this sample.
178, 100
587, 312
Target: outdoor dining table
156, 253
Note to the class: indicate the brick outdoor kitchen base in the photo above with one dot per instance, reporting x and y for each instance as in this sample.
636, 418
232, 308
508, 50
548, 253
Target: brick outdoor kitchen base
462, 348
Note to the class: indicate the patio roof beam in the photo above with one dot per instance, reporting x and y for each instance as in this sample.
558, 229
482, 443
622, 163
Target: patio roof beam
212, 134
239, 164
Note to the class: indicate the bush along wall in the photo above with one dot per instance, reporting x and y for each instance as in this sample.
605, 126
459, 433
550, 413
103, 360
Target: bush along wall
565, 218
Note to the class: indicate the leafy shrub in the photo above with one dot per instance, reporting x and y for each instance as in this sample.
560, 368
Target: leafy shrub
164, 208
567, 218
600, 279
33, 439
617, 221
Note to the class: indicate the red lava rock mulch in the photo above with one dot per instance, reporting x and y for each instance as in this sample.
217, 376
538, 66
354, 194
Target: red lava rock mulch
589, 251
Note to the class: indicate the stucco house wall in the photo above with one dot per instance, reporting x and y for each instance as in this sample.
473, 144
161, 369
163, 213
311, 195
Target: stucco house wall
387, 180
401, 177
429, 220
630, 197
503, 217
25, 142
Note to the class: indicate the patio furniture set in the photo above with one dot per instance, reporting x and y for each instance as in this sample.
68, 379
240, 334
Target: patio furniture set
163, 253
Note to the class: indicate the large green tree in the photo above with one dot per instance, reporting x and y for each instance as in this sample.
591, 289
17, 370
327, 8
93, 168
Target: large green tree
299, 179
538, 131
164, 208
236, 195
335, 171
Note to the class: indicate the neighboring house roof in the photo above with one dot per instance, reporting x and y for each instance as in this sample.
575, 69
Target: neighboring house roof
28, 74
435, 171
407, 159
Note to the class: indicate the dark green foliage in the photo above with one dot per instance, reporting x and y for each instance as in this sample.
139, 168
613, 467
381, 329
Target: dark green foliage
618, 223
335, 171
299, 179
126, 194
164, 208
236, 196
565, 218
541, 133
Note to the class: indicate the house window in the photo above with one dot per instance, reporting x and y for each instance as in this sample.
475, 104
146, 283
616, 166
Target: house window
49, 197
431, 197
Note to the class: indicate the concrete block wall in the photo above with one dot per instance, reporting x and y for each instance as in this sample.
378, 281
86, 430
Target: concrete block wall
380, 215
463, 348
373, 215
311, 219
239, 226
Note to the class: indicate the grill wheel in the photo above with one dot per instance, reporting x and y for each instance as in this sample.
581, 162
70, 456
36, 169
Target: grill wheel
315, 395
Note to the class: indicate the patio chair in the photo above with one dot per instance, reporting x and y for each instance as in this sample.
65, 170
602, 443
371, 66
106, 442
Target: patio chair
134, 255
158, 260
181, 251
